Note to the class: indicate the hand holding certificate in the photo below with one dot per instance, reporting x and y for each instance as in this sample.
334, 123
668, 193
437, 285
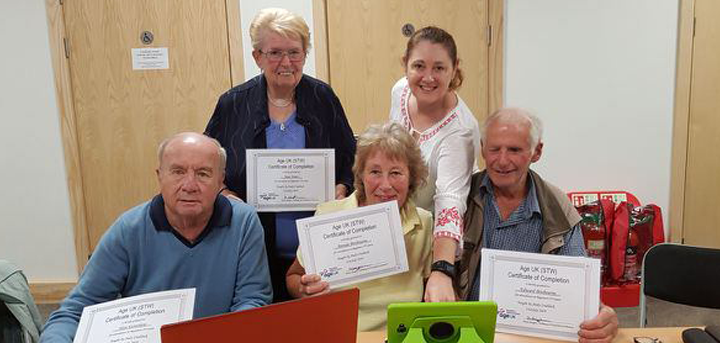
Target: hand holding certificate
538, 294
135, 319
355, 245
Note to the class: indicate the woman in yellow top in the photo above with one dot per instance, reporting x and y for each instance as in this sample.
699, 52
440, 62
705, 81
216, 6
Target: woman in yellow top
388, 166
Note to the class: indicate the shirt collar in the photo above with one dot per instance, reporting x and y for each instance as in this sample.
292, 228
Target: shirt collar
221, 216
531, 202
485, 185
409, 216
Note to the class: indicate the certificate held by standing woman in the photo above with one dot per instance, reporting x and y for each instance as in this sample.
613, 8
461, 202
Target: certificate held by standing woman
282, 108
283, 180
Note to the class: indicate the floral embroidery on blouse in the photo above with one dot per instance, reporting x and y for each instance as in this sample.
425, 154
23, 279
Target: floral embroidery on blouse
449, 216
406, 117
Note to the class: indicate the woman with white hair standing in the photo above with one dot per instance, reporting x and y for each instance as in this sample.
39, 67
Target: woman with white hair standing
281, 108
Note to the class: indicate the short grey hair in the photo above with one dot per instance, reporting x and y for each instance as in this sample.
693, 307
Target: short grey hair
514, 115
222, 154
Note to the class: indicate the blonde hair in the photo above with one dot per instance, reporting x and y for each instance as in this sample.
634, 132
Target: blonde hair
282, 22
395, 142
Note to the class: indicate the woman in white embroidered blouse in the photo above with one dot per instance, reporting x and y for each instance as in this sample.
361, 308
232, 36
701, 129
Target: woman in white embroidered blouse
425, 102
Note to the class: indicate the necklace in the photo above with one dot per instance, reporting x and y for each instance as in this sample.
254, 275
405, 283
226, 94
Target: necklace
280, 102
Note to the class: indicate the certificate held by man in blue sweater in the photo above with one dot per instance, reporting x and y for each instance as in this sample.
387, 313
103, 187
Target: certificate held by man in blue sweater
188, 236
135, 319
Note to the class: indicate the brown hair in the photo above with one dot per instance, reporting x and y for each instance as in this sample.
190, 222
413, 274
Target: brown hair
437, 35
395, 142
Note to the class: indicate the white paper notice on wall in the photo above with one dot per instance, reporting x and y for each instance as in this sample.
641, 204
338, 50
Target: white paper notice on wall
150, 58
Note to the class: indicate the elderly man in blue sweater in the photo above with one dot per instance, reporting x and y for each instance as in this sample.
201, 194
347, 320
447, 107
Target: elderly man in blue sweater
187, 236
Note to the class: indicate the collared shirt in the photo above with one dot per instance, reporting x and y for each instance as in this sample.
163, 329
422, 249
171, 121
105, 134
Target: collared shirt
521, 231
221, 216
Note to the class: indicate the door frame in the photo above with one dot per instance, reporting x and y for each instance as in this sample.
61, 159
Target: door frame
68, 122
68, 129
681, 118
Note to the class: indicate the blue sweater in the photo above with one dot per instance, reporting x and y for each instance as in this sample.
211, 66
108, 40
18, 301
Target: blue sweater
141, 253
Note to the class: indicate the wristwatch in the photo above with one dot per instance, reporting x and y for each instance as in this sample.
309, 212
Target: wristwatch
444, 267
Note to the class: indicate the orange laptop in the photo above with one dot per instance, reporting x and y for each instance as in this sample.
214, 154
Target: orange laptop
326, 318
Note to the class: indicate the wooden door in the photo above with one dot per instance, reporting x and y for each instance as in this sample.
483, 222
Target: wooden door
701, 224
121, 113
366, 45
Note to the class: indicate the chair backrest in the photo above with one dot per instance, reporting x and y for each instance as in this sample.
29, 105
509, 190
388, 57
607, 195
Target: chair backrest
682, 274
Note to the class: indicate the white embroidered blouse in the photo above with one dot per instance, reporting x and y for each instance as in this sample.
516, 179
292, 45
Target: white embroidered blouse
450, 149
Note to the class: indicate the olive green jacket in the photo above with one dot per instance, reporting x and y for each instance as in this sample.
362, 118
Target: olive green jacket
558, 216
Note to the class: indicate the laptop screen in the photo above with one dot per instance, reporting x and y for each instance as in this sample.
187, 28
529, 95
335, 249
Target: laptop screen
330, 317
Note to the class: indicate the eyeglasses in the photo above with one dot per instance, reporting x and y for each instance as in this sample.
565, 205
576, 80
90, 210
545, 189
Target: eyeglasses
277, 55
646, 340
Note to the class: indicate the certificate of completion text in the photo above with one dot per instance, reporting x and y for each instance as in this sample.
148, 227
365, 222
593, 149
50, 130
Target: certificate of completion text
352, 246
134, 319
289, 179
540, 294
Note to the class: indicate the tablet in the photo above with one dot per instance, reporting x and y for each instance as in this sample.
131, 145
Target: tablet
447, 322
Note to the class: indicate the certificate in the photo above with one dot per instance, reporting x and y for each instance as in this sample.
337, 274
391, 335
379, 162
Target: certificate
280, 180
539, 294
134, 319
353, 246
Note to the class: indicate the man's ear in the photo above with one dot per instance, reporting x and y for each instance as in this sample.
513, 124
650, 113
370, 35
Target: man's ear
537, 152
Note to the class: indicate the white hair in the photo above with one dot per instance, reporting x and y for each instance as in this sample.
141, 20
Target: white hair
514, 115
